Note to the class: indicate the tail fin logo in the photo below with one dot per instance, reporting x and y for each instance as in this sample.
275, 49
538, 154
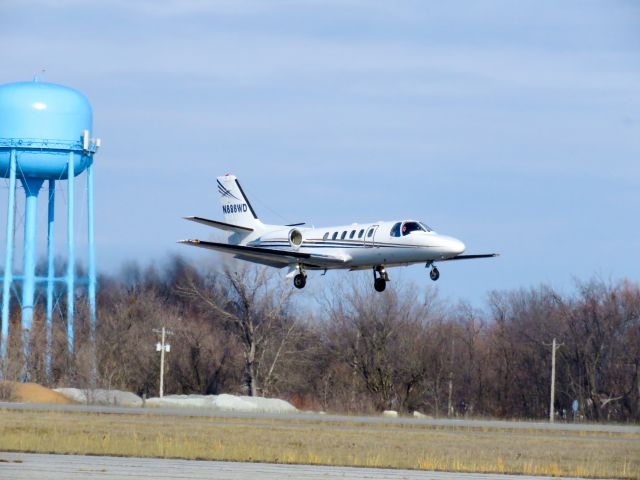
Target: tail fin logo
234, 202
226, 193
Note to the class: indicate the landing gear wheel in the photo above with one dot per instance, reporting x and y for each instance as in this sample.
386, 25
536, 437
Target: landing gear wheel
299, 281
434, 274
379, 284
380, 278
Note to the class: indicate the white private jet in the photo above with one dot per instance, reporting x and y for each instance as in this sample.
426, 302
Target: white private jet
354, 247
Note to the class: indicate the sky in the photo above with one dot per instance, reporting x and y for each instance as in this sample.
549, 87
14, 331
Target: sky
514, 126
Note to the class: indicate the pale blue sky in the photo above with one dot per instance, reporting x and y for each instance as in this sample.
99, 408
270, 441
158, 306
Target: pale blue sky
514, 126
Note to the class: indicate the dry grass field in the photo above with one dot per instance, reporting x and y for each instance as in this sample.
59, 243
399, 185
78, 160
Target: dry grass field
586, 454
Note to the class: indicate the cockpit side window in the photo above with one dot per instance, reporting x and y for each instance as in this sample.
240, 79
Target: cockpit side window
334, 236
325, 236
395, 230
409, 227
426, 227
360, 233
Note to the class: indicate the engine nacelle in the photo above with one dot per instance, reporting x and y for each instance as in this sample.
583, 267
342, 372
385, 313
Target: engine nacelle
295, 238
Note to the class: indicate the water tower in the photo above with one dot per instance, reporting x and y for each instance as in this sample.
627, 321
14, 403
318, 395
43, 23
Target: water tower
45, 136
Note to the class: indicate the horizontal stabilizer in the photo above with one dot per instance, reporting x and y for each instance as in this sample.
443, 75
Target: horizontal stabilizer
220, 225
471, 257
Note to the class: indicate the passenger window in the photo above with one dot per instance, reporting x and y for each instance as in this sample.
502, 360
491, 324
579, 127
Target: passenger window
344, 234
353, 232
360, 233
370, 234
325, 236
335, 235
395, 230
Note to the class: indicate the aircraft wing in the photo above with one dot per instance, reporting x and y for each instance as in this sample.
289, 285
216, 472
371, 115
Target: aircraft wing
269, 256
220, 225
470, 257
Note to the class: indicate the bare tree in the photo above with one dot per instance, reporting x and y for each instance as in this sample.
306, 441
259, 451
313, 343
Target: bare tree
601, 361
382, 338
256, 310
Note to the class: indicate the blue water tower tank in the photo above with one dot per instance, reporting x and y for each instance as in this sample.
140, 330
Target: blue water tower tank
45, 136
44, 122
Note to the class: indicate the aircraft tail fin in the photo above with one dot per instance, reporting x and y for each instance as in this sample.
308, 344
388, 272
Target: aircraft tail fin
235, 205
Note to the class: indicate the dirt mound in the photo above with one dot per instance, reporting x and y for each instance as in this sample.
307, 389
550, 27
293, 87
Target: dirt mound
34, 393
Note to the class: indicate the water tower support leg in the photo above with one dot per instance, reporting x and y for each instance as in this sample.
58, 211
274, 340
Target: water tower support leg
71, 263
8, 259
50, 273
31, 187
92, 270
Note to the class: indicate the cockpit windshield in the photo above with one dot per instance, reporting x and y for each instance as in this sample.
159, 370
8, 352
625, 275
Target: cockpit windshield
426, 227
408, 227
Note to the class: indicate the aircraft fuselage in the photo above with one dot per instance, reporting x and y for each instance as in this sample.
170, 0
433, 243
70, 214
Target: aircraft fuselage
363, 245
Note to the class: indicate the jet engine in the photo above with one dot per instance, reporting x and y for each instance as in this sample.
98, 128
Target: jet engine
292, 237
295, 238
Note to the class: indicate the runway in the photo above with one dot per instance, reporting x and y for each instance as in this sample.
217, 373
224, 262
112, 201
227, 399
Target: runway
20, 466
309, 416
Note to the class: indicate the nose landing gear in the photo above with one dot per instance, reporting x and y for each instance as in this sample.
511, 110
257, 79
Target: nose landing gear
434, 274
380, 278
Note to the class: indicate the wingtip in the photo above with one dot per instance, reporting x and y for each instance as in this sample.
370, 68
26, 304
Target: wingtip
189, 242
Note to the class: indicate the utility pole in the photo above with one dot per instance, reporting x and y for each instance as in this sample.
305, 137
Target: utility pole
162, 347
449, 405
554, 346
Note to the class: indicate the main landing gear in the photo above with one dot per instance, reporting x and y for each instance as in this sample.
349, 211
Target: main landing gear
434, 274
300, 280
380, 278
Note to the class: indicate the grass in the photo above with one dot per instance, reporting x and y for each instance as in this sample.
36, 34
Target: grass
457, 449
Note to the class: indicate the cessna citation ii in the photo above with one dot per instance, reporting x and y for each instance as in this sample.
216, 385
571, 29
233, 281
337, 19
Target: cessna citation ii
373, 246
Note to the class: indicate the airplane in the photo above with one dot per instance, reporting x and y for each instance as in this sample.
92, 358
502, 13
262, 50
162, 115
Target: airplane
375, 245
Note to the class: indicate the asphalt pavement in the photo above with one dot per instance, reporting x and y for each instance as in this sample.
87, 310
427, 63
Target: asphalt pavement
309, 416
19, 466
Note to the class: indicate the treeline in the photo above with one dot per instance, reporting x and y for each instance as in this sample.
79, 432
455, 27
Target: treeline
245, 330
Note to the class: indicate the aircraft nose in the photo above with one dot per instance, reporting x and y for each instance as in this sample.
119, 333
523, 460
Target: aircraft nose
459, 247
455, 245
